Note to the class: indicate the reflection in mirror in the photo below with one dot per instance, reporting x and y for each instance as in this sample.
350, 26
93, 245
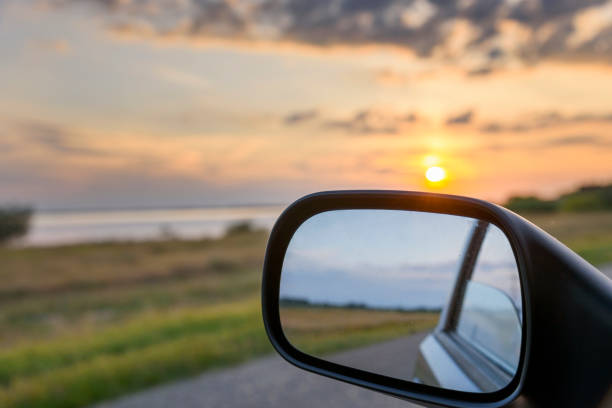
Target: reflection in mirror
424, 297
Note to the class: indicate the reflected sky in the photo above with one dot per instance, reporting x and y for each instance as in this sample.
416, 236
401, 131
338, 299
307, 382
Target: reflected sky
383, 258
390, 259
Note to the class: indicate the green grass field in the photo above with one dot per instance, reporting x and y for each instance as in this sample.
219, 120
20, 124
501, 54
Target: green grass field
84, 323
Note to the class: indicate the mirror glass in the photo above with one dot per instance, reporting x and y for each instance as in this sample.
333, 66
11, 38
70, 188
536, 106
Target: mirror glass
424, 297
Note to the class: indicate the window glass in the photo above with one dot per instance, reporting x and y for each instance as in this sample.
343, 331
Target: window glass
496, 266
491, 313
490, 323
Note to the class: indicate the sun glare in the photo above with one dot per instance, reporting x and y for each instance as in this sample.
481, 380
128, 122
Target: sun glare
431, 160
435, 174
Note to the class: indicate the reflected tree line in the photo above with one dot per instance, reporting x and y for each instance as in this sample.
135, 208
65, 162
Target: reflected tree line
303, 302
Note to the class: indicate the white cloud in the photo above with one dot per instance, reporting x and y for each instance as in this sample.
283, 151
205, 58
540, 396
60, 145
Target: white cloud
183, 78
419, 13
589, 23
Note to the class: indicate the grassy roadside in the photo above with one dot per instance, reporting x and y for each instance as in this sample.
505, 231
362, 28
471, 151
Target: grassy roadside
84, 323
133, 355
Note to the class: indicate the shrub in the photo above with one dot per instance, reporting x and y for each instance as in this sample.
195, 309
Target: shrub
241, 227
14, 223
588, 198
530, 204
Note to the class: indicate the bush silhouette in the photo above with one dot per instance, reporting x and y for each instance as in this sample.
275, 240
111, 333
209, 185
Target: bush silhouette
529, 204
240, 227
14, 223
586, 198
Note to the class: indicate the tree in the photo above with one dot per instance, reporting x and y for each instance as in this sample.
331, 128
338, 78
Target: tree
14, 222
530, 204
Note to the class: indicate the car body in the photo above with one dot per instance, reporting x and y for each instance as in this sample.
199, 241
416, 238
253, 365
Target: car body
565, 357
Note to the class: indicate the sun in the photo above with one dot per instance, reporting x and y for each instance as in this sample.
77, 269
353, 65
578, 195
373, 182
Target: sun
435, 174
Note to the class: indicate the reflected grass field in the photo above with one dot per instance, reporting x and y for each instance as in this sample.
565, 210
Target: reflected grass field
323, 330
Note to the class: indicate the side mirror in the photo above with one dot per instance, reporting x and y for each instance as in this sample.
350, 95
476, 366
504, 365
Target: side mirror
429, 297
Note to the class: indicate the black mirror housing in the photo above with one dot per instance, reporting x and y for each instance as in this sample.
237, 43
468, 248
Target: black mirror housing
566, 351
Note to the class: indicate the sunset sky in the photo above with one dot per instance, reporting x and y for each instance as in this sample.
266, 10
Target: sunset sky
128, 103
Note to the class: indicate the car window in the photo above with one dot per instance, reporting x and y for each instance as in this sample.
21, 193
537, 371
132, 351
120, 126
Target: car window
490, 322
491, 311
496, 266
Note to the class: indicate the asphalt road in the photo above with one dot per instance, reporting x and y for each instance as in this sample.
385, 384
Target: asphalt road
270, 382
